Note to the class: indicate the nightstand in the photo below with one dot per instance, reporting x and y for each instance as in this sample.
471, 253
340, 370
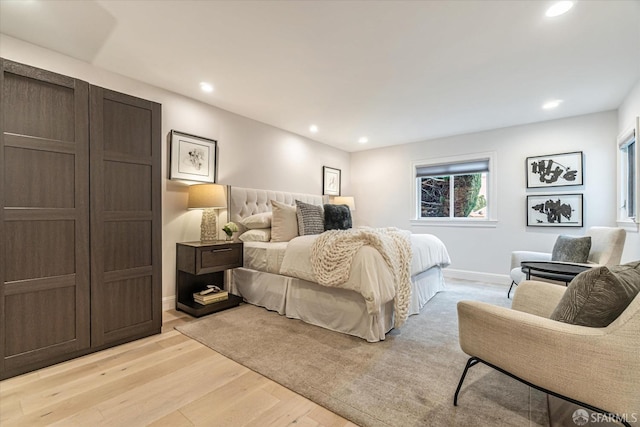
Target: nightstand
199, 264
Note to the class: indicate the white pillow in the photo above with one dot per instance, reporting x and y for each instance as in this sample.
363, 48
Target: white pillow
260, 220
256, 235
284, 223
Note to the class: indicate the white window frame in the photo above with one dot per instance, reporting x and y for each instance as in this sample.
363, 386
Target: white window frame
492, 192
628, 220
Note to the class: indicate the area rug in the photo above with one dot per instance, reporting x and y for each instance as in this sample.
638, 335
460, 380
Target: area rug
407, 380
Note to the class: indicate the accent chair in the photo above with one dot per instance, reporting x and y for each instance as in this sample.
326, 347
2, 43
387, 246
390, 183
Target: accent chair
594, 367
607, 244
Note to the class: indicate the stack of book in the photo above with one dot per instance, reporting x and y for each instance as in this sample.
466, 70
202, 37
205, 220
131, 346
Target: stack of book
210, 298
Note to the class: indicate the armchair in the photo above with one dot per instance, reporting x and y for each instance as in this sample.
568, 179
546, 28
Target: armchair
597, 368
607, 244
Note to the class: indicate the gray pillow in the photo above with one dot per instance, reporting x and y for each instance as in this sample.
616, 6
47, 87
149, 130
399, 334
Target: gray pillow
598, 296
337, 217
571, 249
310, 218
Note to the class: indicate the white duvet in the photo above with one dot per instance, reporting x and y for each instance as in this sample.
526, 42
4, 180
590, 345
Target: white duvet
369, 274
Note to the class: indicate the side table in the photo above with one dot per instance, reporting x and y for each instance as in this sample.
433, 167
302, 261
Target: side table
560, 271
199, 264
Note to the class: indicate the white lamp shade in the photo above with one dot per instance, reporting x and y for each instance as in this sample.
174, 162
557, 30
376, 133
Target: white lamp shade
345, 200
207, 196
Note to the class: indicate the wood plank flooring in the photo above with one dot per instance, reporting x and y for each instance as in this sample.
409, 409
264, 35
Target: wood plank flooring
164, 380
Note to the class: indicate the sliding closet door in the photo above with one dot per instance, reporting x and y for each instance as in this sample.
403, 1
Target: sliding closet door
44, 218
125, 217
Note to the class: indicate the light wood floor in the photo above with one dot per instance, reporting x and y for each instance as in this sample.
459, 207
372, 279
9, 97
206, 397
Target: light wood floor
164, 380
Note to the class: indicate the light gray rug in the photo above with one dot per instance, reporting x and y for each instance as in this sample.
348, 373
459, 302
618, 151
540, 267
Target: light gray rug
407, 380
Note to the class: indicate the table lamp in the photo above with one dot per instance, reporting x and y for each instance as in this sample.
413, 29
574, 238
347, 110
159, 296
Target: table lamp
208, 197
345, 200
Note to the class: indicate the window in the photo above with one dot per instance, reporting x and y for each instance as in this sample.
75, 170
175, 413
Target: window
628, 176
454, 189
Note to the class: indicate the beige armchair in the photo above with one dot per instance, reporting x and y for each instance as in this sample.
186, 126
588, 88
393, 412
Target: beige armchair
597, 368
607, 244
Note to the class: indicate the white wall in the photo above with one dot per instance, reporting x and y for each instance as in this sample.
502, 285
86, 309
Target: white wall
627, 113
251, 154
381, 183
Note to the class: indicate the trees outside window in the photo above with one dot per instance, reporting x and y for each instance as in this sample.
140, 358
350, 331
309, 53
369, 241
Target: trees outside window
469, 196
457, 191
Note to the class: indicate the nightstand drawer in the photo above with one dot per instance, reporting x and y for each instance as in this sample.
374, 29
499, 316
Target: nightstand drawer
202, 258
220, 258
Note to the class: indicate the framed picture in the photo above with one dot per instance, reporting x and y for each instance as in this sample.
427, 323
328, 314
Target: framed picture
554, 170
192, 157
555, 210
330, 181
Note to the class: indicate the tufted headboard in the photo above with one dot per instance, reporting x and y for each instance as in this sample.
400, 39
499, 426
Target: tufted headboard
244, 202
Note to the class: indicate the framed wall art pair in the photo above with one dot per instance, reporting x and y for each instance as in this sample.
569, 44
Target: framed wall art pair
551, 171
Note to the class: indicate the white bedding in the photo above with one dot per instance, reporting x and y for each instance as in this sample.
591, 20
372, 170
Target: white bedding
369, 276
428, 251
264, 256
290, 290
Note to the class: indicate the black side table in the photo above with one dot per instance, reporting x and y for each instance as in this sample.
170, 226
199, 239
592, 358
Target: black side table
199, 264
560, 271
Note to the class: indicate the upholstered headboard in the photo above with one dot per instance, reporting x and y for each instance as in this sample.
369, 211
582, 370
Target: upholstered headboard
244, 202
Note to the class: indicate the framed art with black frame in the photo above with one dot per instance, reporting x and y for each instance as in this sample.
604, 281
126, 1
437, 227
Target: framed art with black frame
555, 210
554, 170
193, 158
330, 181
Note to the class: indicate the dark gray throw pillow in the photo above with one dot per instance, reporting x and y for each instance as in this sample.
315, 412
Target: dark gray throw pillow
571, 249
310, 218
598, 296
337, 217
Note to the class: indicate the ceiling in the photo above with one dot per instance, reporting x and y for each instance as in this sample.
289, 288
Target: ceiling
393, 71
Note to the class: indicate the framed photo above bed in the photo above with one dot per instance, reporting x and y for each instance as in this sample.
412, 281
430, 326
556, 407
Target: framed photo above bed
330, 181
555, 210
193, 158
554, 170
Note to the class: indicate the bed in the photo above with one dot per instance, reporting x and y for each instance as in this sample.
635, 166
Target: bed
260, 282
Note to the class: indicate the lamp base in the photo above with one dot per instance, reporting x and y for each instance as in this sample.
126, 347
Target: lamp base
209, 225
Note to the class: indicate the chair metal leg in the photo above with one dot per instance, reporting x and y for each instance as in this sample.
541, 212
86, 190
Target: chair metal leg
510, 287
472, 361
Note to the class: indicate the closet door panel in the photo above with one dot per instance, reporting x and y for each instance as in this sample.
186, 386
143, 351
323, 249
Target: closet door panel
52, 186
125, 217
126, 245
41, 104
119, 194
133, 135
136, 295
53, 255
44, 218
51, 309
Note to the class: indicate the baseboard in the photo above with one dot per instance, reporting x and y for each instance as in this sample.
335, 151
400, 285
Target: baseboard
168, 303
476, 276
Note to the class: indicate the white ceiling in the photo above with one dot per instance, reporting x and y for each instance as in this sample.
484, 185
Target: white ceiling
395, 71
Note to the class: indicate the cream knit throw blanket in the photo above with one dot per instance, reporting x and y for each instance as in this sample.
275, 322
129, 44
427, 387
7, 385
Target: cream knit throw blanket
333, 251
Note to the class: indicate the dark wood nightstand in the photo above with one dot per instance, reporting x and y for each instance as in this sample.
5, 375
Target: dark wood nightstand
199, 264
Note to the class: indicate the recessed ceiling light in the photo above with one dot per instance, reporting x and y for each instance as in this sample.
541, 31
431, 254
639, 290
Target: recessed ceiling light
363, 140
552, 104
206, 87
559, 8
313, 128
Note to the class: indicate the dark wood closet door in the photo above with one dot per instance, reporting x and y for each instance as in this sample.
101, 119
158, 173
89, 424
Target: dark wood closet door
125, 217
44, 218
